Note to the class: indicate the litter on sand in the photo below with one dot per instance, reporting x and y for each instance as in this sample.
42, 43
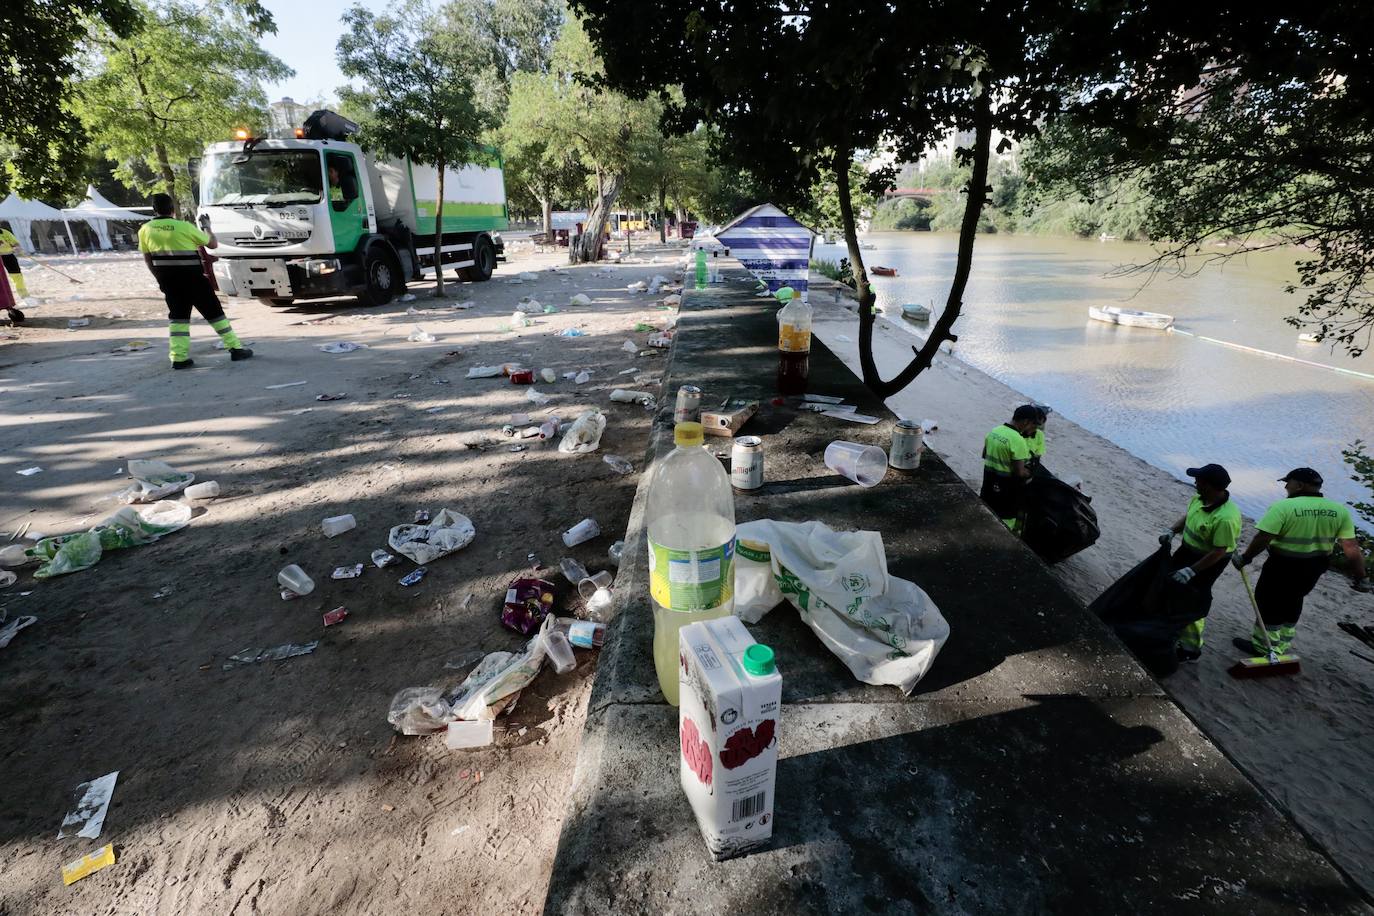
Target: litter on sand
29, 472
420, 335
88, 864
448, 532
381, 559
153, 480
277, 653
342, 346
129, 527
92, 800
414, 576
584, 435
347, 572
851, 417
332, 397
580, 299
9, 630
335, 616
537, 398
620, 465
571, 332
630, 346
133, 346
286, 385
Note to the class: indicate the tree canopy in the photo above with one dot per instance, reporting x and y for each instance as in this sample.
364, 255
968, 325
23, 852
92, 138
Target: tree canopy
191, 73
43, 144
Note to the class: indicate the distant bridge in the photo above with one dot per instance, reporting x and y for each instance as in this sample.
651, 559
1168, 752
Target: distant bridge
923, 194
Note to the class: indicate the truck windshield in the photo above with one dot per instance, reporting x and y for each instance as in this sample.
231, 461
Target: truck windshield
263, 177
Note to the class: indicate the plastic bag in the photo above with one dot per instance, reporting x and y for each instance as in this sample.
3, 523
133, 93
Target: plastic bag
584, 435
1148, 610
153, 480
419, 711
495, 682
129, 527
756, 591
886, 630
447, 532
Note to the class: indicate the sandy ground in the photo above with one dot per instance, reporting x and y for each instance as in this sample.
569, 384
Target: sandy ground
1306, 740
280, 787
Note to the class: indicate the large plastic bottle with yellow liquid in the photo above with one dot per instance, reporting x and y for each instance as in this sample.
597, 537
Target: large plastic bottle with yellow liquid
691, 513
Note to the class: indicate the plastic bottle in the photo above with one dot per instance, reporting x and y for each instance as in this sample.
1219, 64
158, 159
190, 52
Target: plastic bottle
701, 269
337, 525
560, 651
550, 427
295, 579
794, 327
691, 513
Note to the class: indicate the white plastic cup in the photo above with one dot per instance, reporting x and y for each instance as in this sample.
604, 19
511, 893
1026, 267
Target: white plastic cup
560, 651
13, 555
588, 586
295, 579
866, 465
582, 532
338, 524
207, 490
463, 733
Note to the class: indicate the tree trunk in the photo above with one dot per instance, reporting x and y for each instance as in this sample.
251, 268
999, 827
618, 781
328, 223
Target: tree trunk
439, 235
169, 178
546, 203
968, 230
662, 215
590, 244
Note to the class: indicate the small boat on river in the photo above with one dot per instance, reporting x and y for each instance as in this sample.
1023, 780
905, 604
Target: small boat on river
1308, 338
884, 271
914, 312
1131, 318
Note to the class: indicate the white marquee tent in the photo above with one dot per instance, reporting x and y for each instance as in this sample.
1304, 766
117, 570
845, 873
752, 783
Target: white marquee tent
22, 214
98, 212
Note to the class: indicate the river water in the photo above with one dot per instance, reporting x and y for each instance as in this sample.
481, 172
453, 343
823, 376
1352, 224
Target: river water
1173, 400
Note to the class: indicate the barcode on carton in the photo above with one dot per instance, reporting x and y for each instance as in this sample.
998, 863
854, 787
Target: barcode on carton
747, 807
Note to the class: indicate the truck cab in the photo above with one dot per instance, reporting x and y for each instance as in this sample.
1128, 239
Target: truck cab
308, 218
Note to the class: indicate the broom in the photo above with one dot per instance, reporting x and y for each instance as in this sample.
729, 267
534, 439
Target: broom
1270, 665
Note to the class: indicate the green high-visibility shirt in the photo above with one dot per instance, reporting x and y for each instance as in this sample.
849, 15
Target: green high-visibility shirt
1036, 444
1208, 531
1003, 446
8, 243
167, 234
1306, 526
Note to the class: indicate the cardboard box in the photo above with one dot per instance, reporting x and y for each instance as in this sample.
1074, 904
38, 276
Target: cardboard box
727, 420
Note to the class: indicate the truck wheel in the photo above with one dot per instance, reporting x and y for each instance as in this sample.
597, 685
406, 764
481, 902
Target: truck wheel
277, 302
383, 276
484, 261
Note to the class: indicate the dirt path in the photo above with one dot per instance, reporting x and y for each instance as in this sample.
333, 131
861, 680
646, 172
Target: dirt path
279, 787
1305, 740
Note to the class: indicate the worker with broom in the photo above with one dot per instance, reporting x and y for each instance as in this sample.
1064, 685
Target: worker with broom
9, 249
1210, 529
1300, 533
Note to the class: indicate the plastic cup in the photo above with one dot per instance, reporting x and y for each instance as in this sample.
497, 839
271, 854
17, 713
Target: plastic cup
337, 525
600, 602
560, 652
207, 490
583, 531
295, 579
866, 465
588, 586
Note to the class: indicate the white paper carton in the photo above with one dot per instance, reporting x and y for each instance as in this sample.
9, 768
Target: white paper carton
731, 700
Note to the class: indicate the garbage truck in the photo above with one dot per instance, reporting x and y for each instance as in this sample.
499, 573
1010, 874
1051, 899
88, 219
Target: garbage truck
315, 215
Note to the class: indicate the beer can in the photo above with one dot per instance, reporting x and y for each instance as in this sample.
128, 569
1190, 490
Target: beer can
907, 444
746, 463
522, 377
688, 409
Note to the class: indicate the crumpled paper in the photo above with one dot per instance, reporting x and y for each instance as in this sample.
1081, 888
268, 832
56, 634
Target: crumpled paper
447, 532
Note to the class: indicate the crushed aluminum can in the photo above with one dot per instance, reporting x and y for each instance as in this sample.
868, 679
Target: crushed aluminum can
347, 572
335, 616
415, 575
381, 559
508, 430
522, 377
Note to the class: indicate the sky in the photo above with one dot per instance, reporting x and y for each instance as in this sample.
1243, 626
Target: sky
307, 31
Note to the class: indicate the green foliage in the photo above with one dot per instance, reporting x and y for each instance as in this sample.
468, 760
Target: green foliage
820, 207
541, 169
42, 145
903, 213
1362, 472
840, 272
193, 72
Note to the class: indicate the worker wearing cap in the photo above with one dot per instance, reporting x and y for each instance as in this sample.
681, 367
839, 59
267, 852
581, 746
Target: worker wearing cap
1035, 442
1005, 454
1211, 529
9, 249
171, 249
1300, 532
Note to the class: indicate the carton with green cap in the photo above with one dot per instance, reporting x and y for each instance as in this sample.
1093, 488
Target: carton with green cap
731, 700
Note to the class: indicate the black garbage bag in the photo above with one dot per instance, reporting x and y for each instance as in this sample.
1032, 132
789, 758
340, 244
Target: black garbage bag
1147, 609
1059, 519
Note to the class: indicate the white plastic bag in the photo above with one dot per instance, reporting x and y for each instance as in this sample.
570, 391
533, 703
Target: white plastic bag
886, 630
499, 677
584, 435
447, 532
153, 480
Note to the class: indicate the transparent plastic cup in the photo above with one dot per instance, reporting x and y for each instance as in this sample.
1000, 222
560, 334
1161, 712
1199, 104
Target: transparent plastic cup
583, 531
337, 525
866, 465
295, 579
207, 490
559, 651
588, 586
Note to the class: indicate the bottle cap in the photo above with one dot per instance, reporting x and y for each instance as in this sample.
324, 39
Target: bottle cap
688, 434
758, 659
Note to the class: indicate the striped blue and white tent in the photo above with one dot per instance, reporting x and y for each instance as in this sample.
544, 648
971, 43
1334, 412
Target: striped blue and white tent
772, 245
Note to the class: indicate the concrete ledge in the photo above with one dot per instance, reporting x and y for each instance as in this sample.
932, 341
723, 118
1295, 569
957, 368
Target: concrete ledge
1037, 768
